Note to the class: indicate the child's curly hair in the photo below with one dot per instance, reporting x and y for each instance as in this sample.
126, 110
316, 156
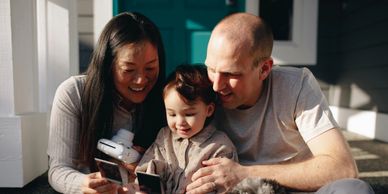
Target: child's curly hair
192, 83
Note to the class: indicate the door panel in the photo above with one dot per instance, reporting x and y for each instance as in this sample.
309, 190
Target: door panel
185, 24
198, 44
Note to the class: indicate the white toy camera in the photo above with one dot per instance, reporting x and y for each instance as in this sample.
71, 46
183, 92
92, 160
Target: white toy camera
120, 147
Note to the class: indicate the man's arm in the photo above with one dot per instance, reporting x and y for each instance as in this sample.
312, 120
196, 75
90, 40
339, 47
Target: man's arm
331, 160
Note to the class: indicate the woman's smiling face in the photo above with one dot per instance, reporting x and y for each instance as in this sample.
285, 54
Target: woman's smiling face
135, 70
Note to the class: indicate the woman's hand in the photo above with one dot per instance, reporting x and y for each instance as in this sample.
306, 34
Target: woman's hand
130, 188
218, 174
94, 183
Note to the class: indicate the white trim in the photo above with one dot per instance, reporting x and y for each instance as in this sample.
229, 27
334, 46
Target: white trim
41, 10
102, 13
252, 7
62, 38
6, 64
302, 49
24, 55
73, 37
367, 123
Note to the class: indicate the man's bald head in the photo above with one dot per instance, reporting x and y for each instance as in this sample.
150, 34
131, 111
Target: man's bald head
247, 31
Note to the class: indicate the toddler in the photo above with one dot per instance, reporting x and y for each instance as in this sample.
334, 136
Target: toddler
188, 139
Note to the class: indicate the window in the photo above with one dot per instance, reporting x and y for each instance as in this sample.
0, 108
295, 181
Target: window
295, 29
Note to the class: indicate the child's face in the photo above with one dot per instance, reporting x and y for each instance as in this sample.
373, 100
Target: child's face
184, 119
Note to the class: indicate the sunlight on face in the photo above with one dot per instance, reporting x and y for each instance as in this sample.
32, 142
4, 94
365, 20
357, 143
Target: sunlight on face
135, 71
184, 119
232, 73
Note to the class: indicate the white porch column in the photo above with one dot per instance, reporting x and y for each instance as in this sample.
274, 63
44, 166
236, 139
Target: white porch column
102, 13
29, 75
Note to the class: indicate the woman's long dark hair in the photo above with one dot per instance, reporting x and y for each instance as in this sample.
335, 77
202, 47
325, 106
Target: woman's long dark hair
98, 94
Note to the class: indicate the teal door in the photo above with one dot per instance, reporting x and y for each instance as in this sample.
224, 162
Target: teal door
185, 24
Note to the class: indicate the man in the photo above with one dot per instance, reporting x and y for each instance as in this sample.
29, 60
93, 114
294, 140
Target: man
277, 117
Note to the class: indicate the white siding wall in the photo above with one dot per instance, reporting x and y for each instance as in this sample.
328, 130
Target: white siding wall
34, 58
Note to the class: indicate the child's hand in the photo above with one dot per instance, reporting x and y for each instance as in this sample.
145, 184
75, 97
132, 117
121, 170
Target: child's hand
132, 166
131, 169
129, 166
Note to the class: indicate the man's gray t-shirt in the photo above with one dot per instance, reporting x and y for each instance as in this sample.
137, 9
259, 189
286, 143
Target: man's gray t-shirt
290, 111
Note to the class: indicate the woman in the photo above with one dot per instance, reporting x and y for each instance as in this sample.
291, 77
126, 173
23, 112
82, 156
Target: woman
122, 86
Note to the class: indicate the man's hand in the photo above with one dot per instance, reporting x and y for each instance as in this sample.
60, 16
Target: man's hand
94, 183
218, 174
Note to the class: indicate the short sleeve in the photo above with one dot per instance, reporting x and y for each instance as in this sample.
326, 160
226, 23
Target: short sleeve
312, 114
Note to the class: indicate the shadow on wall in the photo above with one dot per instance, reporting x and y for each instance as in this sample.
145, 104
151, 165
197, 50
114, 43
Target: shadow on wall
353, 62
85, 54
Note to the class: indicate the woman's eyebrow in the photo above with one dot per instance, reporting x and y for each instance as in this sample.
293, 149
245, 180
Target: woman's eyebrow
151, 61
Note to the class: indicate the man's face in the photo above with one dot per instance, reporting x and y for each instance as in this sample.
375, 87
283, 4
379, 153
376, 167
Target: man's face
230, 68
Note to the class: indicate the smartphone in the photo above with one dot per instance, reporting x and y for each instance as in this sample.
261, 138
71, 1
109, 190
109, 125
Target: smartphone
150, 183
112, 171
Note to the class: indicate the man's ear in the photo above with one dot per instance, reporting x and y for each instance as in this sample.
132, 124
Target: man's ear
266, 68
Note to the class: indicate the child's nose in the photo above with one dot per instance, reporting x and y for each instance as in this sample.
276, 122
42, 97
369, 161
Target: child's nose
181, 122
